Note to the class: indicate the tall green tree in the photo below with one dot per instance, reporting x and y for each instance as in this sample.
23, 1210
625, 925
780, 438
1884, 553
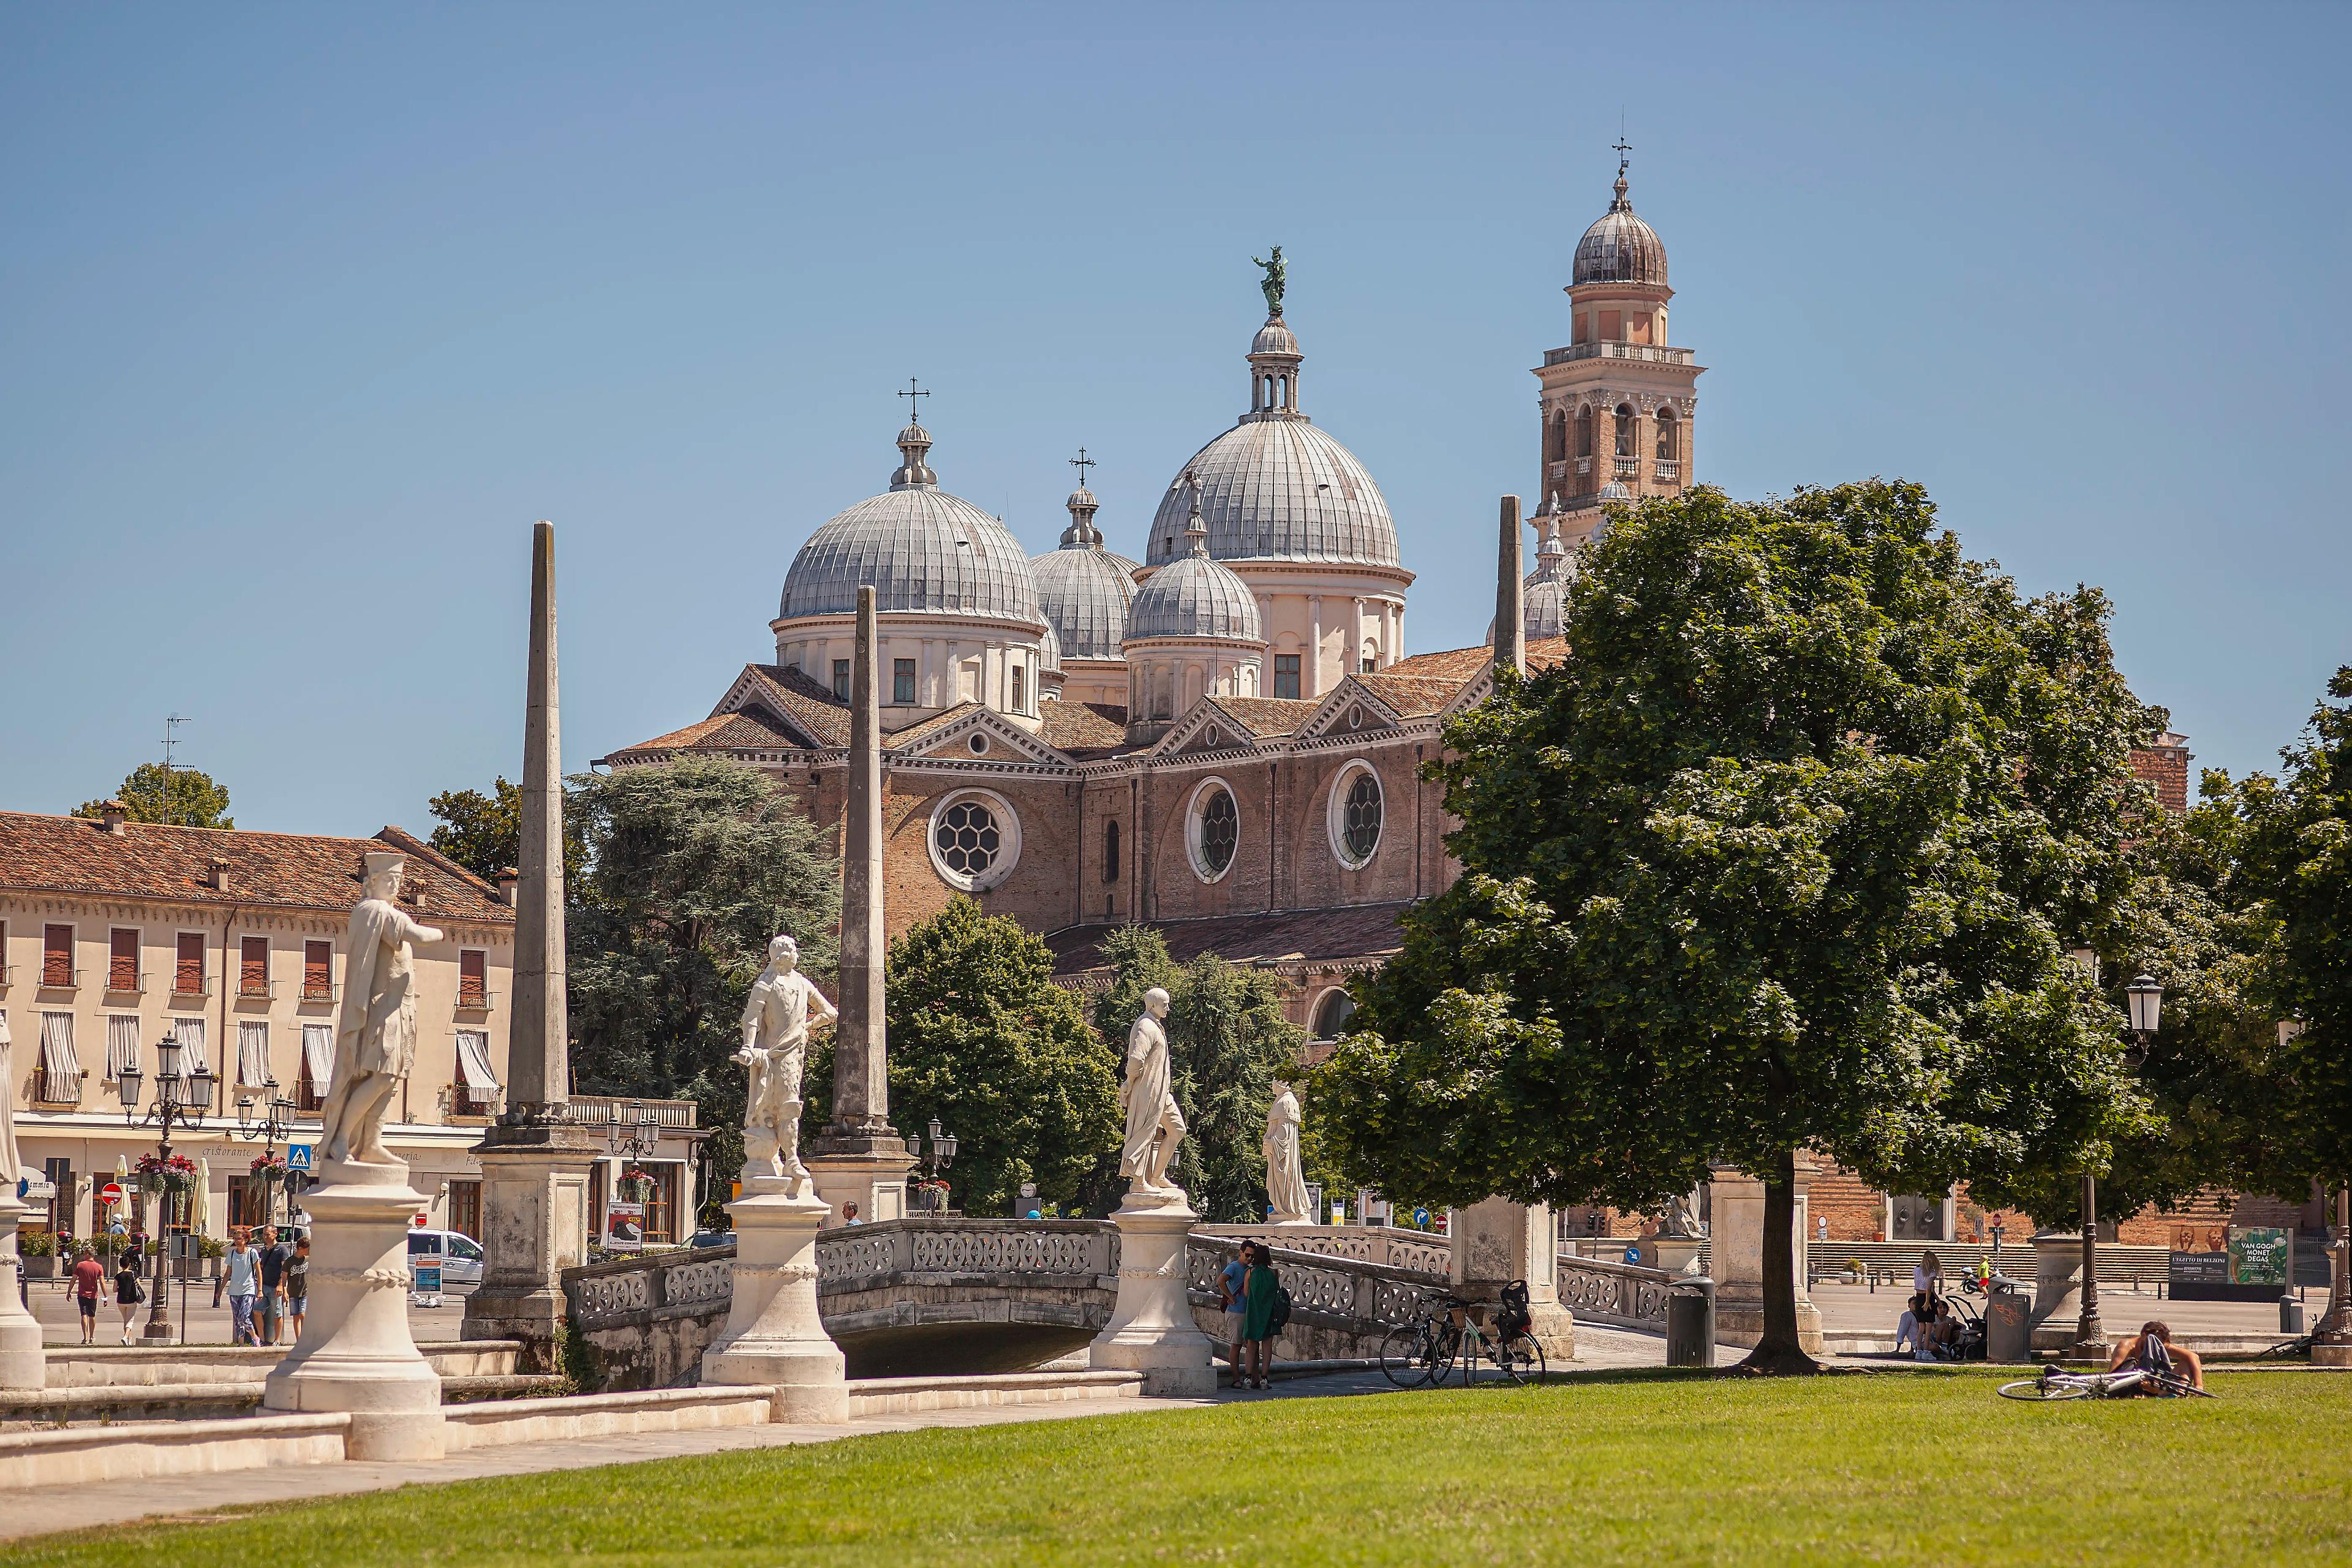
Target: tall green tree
692, 866
1786, 855
1228, 1040
177, 797
982, 1038
483, 833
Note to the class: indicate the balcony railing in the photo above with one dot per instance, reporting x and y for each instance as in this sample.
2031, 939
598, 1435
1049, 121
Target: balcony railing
462, 1099
321, 991
55, 1089
126, 982
59, 977
186, 983
476, 998
601, 1110
1629, 468
1649, 354
249, 989
1669, 469
7, 975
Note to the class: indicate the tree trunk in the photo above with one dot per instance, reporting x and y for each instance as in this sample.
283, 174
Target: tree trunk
1778, 1350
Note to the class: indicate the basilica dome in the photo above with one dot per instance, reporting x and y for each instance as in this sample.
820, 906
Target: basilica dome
1083, 589
1194, 596
1620, 247
921, 548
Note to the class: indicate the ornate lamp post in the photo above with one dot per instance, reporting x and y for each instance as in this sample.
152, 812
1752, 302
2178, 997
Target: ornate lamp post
179, 1101
276, 1125
932, 1161
2147, 1004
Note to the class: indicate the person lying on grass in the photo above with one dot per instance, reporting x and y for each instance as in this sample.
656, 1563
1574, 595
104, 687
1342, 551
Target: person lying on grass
2152, 1351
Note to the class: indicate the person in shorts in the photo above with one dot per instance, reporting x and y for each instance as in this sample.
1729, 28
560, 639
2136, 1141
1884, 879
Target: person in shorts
297, 1282
1230, 1282
266, 1307
89, 1280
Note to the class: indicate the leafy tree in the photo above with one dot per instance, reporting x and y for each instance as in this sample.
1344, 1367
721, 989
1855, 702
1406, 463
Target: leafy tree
483, 833
179, 797
1786, 855
1227, 1041
692, 866
982, 1038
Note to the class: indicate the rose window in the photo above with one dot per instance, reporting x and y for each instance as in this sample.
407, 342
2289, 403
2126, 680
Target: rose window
967, 839
1219, 831
1359, 827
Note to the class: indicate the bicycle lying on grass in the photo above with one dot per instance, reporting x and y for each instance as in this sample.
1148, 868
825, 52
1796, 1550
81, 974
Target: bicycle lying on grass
1425, 1349
2122, 1385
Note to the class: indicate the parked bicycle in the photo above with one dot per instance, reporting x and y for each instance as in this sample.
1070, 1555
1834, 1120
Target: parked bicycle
2124, 1384
1450, 1330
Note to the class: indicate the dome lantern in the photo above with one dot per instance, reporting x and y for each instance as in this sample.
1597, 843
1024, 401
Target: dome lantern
1620, 247
1083, 589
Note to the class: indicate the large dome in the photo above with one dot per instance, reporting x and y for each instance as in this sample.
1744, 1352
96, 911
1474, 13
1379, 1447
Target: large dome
1620, 247
1194, 596
1083, 589
921, 548
1278, 488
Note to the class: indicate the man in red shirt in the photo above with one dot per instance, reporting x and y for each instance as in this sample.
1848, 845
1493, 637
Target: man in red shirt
89, 1278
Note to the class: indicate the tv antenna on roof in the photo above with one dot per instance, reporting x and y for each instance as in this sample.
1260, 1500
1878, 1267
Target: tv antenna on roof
171, 739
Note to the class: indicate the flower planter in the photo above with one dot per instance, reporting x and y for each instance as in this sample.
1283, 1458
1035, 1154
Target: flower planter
42, 1269
187, 1268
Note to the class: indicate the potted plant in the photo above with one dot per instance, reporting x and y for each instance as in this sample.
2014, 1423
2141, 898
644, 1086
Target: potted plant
1854, 1270
270, 1168
636, 1186
176, 1175
39, 1249
212, 1254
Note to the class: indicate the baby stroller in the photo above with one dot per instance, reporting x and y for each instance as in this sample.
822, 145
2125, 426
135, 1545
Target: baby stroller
1971, 1344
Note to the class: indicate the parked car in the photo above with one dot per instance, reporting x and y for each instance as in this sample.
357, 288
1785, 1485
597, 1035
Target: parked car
713, 1238
459, 1255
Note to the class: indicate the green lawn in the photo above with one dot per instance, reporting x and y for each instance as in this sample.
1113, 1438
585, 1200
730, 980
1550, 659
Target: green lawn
1911, 1470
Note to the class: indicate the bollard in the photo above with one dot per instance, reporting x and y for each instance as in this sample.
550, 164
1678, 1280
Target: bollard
2290, 1315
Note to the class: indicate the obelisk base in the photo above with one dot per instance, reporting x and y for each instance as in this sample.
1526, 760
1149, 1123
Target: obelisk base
874, 1178
535, 1226
22, 1364
356, 1354
1151, 1329
773, 1335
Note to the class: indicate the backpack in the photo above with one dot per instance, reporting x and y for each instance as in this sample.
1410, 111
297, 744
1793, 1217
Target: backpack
1280, 1317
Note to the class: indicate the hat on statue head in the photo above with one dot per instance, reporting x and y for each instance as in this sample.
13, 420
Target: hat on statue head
378, 861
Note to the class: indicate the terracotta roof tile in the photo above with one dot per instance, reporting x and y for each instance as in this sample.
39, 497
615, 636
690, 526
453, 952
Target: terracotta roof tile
915, 734
1269, 718
1084, 726
72, 854
1461, 665
1300, 936
1412, 696
800, 701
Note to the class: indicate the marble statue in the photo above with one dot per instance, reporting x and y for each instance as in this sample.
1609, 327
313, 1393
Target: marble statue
1681, 1221
783, 1006
375, 1031
1154, 1125
10, 1163
1277, 274
1286, 1177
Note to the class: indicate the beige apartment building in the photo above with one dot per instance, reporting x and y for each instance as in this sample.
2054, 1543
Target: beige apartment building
116, 935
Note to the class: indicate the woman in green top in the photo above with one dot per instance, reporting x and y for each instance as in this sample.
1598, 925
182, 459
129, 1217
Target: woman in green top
1257, 1294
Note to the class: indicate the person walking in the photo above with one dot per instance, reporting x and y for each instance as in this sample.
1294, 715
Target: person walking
242, 1281
89, 1280
1233, 1282
272, 1262
1258, 1290
297, 1282
129, 1289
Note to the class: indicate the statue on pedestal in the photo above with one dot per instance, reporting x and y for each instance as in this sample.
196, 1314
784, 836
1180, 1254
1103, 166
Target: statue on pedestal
375, 1031
10, 1161
1681, 1221
1285, 1174
782, 1008
1154, 1125
1276, 279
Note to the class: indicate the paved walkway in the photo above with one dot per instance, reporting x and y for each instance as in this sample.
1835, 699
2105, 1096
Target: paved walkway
53, 1308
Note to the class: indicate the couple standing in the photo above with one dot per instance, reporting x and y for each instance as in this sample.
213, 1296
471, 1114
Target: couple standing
1250, 1286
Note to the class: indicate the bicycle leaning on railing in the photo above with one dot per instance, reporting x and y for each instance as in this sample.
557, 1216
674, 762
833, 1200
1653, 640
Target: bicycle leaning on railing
2121, 1384
1448, 1330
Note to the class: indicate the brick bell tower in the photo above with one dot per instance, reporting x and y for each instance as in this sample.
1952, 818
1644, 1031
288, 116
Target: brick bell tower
1619, 402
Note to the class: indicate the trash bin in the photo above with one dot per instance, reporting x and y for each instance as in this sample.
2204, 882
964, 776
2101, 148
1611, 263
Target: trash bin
1690, 1323
2008, 1317
2290, 1315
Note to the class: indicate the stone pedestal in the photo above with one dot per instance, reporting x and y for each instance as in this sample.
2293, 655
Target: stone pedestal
1498, 1241
2057, 1290
356, 1354
1151, 1329
875, 1181
1735, 1245
22, 1365
773, 1334
535, 1226
1674, 1254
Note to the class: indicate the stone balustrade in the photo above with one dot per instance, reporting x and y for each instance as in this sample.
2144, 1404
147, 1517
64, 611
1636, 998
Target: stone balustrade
1390, 1247
1621, 1295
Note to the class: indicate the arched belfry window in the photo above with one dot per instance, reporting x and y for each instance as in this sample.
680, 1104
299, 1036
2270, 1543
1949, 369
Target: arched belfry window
1584, 432
1624, 429
1111, 850
1665, 435
1556, 438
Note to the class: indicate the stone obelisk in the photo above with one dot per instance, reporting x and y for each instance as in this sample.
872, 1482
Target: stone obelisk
535, 1160
860, 1158
1497, 1241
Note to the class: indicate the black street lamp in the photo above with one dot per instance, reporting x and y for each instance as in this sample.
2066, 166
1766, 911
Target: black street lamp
934, 1162
277, 1125
2146, 997
179, 1101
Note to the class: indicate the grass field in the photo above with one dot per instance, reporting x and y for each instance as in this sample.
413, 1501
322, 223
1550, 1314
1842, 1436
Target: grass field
1914, 1469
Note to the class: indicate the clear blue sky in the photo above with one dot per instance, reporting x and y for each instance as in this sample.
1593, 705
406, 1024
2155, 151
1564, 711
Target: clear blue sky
306, 312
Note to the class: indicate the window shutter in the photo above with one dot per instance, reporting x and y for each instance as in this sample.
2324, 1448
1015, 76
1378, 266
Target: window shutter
190, 978
471, 973
122, 961
317, 969
253, 967
57, 955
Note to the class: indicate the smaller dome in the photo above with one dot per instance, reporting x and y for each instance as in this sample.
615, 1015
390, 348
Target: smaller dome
1620, 247
1082, 499
1194, 596
1273, 338
1547, 587
1049, 654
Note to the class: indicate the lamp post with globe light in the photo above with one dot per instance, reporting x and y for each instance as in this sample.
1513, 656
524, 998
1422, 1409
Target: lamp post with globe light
934, 1162
2146, 998
276, 1125
180, 1101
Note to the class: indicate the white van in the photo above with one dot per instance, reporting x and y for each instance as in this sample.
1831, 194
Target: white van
459, 1255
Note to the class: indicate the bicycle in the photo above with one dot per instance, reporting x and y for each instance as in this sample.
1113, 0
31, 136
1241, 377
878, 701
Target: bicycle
1425, 1349
2124, 1384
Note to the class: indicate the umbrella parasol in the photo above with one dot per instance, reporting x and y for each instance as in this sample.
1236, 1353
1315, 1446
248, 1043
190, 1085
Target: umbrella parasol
201, 1219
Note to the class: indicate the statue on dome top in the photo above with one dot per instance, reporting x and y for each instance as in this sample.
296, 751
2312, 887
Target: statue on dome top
1276, 275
